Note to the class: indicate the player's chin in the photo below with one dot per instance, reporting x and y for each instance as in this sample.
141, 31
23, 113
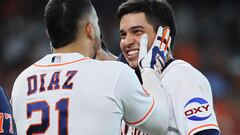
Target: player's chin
133, 63
132, 60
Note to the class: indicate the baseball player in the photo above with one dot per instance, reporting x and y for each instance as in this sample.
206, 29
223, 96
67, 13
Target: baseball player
6, 120
188, 91
69, 93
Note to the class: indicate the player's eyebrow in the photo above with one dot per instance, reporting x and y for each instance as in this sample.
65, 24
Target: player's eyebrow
131, 28
136, 27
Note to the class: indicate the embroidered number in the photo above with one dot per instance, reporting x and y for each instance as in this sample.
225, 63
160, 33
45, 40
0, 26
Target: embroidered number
42, 106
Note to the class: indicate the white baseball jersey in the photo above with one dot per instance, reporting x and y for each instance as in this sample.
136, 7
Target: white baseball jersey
189, 98
71, 94
129, 130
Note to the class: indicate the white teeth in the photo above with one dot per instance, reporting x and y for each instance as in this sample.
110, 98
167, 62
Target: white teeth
133, 52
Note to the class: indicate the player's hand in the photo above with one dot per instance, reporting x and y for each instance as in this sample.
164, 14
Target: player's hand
155, 58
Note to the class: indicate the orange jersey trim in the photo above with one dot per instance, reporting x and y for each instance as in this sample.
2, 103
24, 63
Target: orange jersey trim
207, 125
61, 64
145, 116
146, 92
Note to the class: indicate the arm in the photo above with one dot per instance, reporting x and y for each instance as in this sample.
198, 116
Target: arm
151, 84
191, 100
208, 132
140, 109
7, 123
193, 105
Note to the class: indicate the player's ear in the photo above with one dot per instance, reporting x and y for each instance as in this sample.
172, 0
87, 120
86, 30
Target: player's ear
89, 30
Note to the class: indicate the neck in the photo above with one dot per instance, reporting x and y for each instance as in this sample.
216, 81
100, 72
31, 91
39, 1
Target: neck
79, 47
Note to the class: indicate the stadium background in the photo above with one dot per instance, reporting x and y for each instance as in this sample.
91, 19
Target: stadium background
208, 38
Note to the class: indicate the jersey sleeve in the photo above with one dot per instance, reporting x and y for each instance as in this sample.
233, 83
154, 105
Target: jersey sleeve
193, 105
136, 103
140, 109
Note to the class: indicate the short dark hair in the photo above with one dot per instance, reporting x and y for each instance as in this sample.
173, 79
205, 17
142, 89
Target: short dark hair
62, 18
157, 12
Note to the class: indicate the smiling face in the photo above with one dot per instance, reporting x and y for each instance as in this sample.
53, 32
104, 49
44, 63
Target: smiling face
132, 27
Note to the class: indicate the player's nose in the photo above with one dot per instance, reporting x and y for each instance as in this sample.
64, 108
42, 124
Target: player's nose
129, 40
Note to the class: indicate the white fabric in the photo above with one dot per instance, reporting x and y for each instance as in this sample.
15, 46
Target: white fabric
102, 94
182, 84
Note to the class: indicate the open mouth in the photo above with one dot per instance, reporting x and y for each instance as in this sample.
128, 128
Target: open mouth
132, 54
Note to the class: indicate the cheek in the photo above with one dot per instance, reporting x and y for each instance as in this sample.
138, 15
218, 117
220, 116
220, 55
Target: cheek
150, 41
121, 45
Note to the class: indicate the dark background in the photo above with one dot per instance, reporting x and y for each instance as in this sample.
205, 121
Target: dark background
208, 38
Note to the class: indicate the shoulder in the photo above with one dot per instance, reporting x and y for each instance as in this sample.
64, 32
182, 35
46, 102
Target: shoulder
114, 65
180, 69
23, 74
181, 72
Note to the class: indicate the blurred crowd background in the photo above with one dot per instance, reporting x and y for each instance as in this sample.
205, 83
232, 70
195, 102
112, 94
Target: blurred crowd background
208, 38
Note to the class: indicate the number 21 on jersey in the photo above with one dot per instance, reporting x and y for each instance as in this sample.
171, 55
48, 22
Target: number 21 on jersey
61, 107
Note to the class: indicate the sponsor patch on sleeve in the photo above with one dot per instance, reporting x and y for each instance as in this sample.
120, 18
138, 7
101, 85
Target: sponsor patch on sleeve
197, 109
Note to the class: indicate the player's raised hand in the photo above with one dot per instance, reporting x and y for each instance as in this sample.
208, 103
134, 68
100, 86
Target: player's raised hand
155, 58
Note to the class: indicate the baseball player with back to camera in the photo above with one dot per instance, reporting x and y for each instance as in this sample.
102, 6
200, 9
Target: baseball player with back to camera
149, 26
70, 93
